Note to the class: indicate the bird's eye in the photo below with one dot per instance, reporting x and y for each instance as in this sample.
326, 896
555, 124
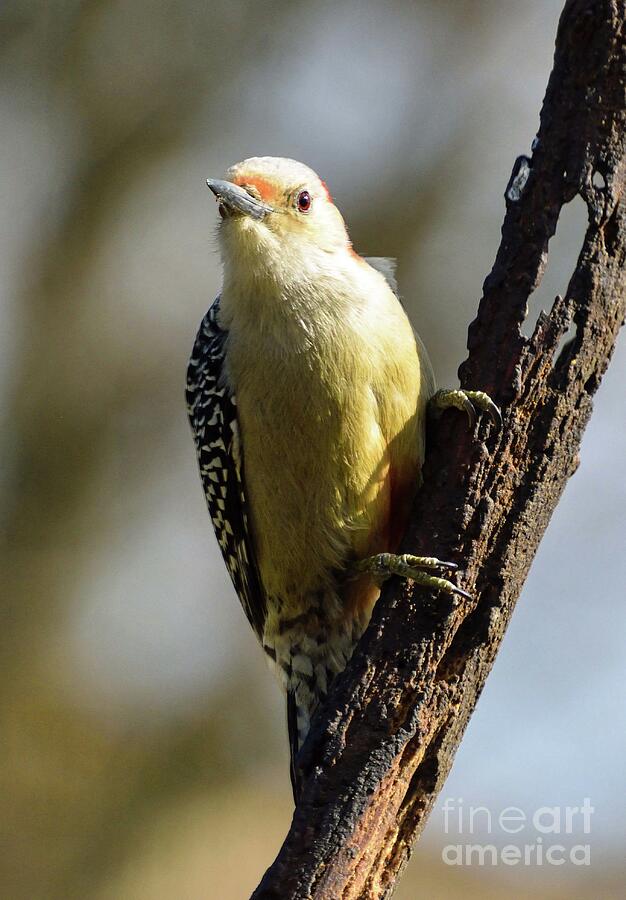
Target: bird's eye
303, 201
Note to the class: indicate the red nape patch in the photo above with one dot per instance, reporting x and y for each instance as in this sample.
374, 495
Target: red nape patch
326, 191
266, 189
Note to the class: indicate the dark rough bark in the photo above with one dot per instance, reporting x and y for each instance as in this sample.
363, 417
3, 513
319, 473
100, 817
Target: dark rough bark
382, 746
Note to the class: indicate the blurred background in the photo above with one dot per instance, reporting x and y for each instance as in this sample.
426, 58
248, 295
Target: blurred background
143, 747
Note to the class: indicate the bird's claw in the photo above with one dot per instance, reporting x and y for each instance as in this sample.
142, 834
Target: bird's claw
416, 568
483, 401
468, 402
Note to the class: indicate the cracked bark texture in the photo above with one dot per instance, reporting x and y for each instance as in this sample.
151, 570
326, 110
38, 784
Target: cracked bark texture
382, 746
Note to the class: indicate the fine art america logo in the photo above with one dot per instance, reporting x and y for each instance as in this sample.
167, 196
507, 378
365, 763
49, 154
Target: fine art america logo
548, 837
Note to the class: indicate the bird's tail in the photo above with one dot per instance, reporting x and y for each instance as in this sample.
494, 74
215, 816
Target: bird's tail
310, 650
303, 699
294, 743
307, 689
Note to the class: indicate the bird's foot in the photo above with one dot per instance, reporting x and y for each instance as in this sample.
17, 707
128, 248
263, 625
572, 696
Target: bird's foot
468, 402
417, 568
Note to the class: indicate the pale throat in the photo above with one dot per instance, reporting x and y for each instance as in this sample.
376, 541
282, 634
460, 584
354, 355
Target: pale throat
291, 306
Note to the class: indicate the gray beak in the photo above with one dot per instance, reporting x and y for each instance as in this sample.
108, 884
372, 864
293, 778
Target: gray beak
235, 199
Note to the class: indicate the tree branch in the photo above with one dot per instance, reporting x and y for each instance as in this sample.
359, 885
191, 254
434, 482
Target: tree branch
380, 749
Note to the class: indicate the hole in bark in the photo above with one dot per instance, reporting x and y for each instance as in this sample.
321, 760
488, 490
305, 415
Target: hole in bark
598, 180
563, 252
562, 351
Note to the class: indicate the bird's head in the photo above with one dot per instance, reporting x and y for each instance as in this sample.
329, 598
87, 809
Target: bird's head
275, 211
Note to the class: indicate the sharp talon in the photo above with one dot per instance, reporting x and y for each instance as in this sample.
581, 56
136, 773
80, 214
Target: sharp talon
495, 415
431, 582
384, 565
469, 402
447, 565
424, 562
484, 402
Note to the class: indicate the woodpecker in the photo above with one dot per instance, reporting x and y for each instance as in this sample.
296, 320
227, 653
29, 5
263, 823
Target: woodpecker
307, 393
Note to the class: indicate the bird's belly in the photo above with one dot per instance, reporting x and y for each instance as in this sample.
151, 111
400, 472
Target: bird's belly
318, 491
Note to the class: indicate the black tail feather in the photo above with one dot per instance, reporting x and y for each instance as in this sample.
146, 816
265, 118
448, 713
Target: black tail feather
294, 747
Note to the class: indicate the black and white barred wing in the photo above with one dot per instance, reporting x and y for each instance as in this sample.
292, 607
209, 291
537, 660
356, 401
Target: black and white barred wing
213, 417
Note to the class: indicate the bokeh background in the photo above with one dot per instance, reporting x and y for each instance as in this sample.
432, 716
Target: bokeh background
142, 743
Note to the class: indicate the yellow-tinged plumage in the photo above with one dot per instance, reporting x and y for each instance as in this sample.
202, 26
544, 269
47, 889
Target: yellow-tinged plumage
331, 386
307, 394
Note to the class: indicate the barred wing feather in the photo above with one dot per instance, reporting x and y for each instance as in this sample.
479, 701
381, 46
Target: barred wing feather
212, 413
